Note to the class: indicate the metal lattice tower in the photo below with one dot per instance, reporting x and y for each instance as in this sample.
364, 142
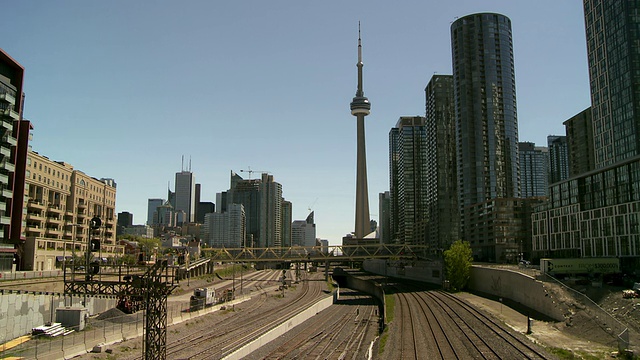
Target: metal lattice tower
149, 291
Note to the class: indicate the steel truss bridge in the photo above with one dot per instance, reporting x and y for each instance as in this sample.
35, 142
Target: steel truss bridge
333, 253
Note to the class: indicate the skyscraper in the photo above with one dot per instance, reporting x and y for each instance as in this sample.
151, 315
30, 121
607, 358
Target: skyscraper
360, 108
558, 158
287, 217
384, 216
185, 193
487, 133
303, 232
579, 130
409, 176
442, 181
534, 170
152, 214
270, 212
247, 193
14, 147
614, 73
595, 213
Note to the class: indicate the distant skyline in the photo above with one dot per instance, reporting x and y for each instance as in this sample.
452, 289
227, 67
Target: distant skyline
124, 89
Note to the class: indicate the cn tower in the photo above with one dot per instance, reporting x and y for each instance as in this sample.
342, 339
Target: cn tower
360, 107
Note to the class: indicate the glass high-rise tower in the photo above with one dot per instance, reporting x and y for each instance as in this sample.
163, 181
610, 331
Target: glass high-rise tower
487, 134
408, 181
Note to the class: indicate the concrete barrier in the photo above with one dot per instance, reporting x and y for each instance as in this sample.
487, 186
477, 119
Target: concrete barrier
420, 270
20, 275
21, 312
345, 279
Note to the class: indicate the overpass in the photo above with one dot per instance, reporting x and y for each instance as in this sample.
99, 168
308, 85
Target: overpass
333, 253
319, 254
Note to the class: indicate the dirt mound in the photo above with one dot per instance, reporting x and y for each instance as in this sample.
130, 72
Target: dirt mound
117, 316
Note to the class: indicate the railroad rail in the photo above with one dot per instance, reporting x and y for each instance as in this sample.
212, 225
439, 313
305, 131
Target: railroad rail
452, 329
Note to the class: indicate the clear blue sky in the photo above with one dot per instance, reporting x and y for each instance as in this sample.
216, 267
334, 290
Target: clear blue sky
123, 89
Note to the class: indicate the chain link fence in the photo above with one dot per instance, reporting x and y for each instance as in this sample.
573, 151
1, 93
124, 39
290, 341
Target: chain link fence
109, 327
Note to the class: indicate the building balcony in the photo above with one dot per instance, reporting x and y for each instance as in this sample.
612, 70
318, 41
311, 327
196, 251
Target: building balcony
7, 165
5, 220
6, 124
5, 151
55, 208
4, 179
35, 204
34, 216
6, 193
52, 231
8, 139
34, 227
82, 205
6, 97
10, 113
55, 220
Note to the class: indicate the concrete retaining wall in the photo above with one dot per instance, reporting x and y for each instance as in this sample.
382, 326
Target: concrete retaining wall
515, 286
347, 280
281, 329
426, 271
21, 312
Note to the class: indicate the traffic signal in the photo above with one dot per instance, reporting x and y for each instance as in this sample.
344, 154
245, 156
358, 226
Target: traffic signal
95, 223
95, 245
94, 268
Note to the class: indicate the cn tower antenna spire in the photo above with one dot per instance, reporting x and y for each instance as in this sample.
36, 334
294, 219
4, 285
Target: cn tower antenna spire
360, 107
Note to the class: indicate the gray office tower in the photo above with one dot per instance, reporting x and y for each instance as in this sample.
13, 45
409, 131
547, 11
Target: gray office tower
487, 135
614, 73
442, 182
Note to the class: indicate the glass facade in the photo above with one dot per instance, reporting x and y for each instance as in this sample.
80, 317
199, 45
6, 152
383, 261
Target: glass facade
558, 158
409, 180
534, 167
614, 73
442, 182
593, 215
486, 133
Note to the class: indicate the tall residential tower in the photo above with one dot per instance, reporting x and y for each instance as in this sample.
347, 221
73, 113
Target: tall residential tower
360, 107
487, 134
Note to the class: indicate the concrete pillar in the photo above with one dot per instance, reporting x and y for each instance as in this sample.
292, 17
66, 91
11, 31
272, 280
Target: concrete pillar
326, 270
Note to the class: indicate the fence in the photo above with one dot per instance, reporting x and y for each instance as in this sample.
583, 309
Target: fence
110, 327
618, 329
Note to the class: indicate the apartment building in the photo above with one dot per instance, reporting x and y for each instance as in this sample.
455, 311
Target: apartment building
60, 203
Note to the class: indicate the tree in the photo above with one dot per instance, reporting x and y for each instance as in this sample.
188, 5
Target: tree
458, 264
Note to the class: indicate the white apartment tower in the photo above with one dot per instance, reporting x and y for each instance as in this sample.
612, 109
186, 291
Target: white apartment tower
226, 229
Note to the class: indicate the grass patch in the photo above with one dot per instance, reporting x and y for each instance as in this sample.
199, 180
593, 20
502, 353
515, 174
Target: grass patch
383, 341
390, 306
565, 354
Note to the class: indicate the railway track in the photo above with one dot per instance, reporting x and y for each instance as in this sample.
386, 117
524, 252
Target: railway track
336, 333
225, 336
452, 329
479, 324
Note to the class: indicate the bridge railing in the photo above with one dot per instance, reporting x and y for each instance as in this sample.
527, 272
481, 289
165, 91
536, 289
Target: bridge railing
319, 253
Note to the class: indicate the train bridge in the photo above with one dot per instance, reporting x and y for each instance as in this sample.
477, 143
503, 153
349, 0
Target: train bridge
326, 255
